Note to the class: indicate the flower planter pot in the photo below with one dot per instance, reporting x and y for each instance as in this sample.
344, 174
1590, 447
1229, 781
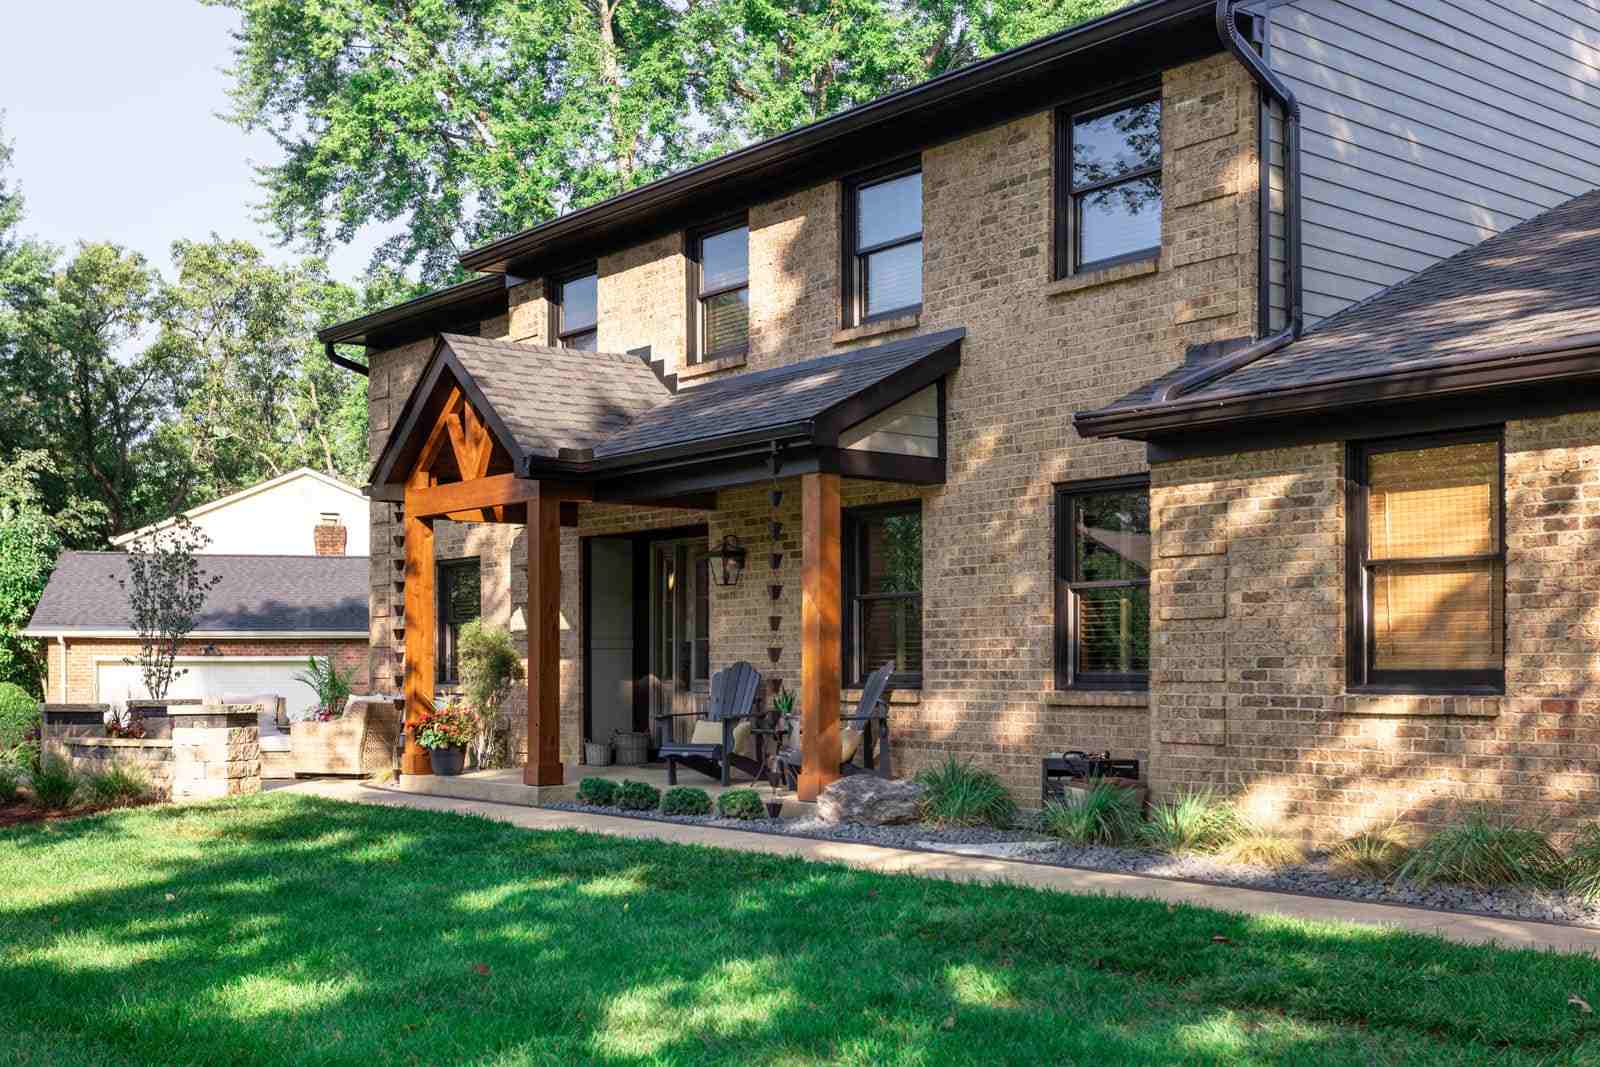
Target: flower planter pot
774, 808
448, 761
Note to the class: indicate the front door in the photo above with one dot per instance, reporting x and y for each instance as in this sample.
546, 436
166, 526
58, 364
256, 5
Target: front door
680, 631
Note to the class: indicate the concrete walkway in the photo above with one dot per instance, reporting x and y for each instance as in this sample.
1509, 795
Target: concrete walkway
1472, 929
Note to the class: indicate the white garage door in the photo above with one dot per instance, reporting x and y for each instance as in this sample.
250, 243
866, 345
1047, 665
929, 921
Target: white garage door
208, 677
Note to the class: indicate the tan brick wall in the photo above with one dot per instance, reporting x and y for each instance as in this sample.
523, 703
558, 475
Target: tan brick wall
82, 654
1036, 351
1248, 690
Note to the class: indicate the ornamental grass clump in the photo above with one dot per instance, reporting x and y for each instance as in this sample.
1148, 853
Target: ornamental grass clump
1197, 820
1102, 814
959, 794
1260, 846
741, 804
638, 796
685, 800
118, 784
1583, 864
600, 792
1371, 853
54, 784
1484, 850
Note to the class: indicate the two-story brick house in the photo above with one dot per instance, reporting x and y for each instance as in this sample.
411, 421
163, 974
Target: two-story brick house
855, 352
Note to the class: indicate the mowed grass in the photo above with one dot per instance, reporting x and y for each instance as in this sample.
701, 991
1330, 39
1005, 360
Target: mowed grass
290, 930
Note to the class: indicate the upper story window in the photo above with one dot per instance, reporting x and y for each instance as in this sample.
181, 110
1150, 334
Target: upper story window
1108, 184
720, 291
883, 592
1427, 597
883, 244
1103, 584
575, 311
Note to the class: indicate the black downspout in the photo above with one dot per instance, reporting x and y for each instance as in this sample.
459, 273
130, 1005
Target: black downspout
1188, 382
340, 361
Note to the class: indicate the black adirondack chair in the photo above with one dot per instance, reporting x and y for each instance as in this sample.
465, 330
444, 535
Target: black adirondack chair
733, 695
865, 734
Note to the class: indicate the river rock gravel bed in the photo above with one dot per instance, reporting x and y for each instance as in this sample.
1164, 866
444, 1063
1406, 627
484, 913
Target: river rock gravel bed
1315, 877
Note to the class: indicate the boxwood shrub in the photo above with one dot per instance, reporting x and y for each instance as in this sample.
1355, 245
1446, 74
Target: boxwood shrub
741, 804
638, 796
685, 800
601, 792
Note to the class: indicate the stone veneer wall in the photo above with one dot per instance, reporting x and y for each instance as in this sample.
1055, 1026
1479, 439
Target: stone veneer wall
1037, 350
1248, 691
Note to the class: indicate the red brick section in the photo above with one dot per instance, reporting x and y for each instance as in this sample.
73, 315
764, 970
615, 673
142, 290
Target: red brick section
330, 538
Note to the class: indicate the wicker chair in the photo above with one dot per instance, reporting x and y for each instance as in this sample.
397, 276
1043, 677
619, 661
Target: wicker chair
361, 741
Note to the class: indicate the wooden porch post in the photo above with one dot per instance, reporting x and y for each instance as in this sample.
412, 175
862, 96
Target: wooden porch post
544, 641
419, 619
820, 651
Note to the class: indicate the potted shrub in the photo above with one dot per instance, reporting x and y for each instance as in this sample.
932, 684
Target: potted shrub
445, 732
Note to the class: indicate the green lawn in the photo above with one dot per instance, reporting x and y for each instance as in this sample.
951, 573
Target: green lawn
290, 930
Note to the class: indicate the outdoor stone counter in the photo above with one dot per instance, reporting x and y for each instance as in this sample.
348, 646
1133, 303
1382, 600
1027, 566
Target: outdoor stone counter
216, 751
151, 757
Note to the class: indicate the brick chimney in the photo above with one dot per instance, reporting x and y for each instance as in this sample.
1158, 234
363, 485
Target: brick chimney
330, 535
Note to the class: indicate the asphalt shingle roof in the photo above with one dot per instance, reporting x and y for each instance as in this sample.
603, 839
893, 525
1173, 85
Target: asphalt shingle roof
768, 399
555, 398
276, 594
1538, 282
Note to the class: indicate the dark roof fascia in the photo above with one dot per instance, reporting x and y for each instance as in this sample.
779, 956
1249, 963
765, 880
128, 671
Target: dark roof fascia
428, 314
884, 394
1575, 359
634, 464
415, 410
984, 94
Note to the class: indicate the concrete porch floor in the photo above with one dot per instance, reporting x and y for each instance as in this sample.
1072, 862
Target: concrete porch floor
505, 786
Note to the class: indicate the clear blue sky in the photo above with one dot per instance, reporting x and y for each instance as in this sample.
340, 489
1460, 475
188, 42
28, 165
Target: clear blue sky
111, 106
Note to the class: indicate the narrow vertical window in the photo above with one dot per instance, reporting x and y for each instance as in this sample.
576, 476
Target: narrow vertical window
1103, 585
720, 287
576, 310
883, 592
1428, 601
883, 277
1108, 180
459, 604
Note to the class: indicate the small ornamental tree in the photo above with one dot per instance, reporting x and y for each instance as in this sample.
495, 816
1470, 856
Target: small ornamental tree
166, 588
489, 667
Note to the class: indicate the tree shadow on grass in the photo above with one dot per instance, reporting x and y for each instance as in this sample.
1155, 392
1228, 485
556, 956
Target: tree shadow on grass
294, 930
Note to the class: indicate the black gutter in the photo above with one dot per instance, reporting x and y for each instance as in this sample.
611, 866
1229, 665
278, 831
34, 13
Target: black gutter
1271, 84
348, 364
357, 330
1512, 366
986, 76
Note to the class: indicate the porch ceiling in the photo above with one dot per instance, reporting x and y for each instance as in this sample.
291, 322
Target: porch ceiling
607, 420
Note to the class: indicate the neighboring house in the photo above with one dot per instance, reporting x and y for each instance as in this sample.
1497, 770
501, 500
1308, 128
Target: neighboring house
859, 348
302, 512
254, 634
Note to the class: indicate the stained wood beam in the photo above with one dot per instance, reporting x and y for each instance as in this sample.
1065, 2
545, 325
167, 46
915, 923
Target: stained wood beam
420, 645
821, 653
497, 490
544, 640
439, 433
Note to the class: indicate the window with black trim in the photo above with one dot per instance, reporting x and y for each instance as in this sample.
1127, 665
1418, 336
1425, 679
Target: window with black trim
883, 592
459, 604
719, 290
575, 310
883, 244
1427, 574
1108, 183
1103, 584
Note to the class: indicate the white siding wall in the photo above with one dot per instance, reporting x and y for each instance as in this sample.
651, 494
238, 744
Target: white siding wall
1428, 126
278, 521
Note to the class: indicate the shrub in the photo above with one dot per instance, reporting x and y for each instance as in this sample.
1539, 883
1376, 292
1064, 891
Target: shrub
19, 716
1194, 821
1583, 864
10, 781
741, 804
601, 792
1371, 853
638, 796
118, 784
686, 800
960, 794
1260, 847
54, 784
1484, 849
1103, 814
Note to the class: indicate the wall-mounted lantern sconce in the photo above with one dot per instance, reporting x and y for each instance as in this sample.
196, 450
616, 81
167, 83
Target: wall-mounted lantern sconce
727, 562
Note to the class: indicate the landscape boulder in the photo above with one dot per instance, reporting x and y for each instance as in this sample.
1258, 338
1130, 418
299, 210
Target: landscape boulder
870, 801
